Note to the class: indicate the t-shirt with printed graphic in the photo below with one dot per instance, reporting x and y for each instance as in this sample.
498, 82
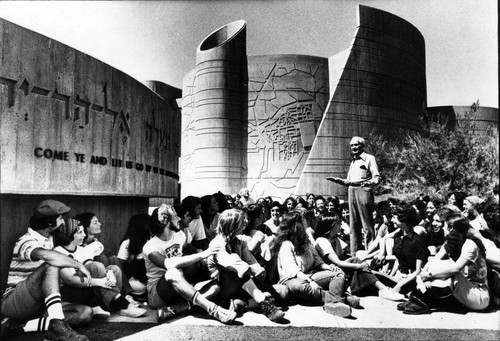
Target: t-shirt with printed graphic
169, 248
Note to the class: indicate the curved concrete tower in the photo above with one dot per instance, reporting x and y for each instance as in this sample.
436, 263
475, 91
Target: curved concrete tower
214, 114
377, 85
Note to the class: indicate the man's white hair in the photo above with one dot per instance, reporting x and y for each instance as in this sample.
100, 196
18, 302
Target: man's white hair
358, 139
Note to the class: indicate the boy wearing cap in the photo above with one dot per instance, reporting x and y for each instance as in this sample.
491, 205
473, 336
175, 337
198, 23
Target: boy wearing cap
33, 282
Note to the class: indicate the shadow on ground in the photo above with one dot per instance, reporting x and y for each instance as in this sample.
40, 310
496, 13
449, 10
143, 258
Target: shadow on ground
104, 331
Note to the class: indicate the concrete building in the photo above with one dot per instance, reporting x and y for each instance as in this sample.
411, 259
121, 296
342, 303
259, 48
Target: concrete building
280, 124
77, 130
484, 117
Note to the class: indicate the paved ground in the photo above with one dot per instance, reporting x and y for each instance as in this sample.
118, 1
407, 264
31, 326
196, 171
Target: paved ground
379, 318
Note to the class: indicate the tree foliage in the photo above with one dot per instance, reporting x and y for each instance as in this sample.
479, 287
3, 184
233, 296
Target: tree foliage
442, 158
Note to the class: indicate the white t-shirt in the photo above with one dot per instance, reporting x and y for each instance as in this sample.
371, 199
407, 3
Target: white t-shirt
123, 252
169, 248
81, 254
197, 229
95, 248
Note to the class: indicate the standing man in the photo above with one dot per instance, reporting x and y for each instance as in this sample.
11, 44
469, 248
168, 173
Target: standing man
362, 176
33, 283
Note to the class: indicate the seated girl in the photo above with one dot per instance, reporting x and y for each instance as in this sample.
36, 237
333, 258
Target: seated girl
435, 235
130, 254
289, 205
361, 280
102, 290
409, 249
459, 269
209, 215
384, 229
302, 270
235, 266
92, 229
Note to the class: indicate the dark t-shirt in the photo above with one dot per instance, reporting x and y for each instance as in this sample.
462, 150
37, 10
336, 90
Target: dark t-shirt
435, 238
409, 248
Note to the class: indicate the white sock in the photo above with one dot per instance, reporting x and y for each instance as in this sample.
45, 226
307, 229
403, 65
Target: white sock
37, 325
54, 306
201, 301
250, 287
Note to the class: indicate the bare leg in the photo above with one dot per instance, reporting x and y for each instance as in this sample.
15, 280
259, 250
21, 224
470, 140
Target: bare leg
77, 314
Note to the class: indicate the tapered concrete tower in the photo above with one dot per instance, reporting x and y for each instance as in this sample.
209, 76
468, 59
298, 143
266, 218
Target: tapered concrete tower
214, 114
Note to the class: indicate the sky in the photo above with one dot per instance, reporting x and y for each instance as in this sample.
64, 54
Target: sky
157, 40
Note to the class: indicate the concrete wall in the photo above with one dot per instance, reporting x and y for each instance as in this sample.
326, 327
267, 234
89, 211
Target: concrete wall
74, 128
381, 88
287, 95
484, 117
111, 133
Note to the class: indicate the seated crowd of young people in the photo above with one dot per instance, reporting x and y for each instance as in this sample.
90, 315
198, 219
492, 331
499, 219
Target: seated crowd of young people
227, 254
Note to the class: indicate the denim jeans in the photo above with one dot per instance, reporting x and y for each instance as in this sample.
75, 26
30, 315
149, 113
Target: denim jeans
332, 286
361, 282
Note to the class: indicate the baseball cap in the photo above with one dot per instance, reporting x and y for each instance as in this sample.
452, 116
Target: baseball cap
50, 207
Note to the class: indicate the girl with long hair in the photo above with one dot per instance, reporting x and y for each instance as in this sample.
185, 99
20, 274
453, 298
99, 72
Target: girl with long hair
130, 253
236, 267
459, 270
302, 270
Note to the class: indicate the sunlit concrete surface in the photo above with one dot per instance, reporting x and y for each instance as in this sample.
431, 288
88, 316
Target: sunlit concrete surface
377, 313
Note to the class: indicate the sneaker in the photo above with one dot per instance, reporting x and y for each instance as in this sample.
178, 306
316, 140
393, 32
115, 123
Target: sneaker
60, 331
390, 294
131, 300
11, 328
271, 311
166, 313
100, 314
353, 301
223, 315
412, 308
337, 309
132, 311
238, 306
401, 306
